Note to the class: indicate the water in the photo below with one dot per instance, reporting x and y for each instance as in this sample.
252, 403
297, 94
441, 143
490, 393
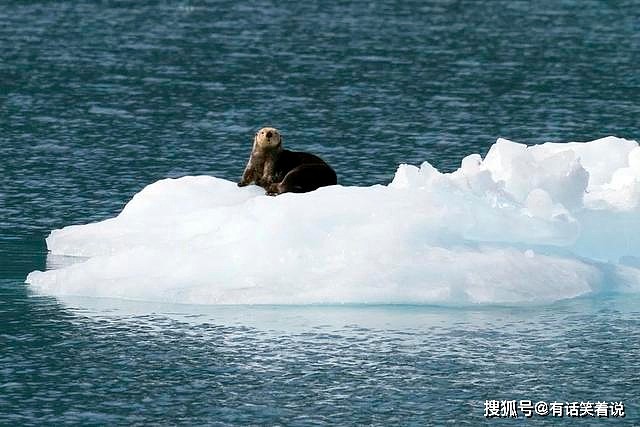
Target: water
113, 362
98, 100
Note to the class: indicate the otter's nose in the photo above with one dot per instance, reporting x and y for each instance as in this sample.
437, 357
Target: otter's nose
269, 135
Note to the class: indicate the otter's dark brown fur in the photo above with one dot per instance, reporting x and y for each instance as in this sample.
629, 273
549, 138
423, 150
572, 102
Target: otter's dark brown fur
280, 171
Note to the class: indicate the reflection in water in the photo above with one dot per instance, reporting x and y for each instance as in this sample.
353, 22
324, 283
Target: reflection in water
83, 359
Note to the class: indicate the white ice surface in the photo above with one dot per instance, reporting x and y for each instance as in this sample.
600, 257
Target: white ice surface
525, 225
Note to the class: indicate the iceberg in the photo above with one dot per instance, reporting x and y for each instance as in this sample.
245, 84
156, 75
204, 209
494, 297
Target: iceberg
526, 224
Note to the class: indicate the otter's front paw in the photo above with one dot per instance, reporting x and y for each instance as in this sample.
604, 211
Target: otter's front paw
273, 190
242, 184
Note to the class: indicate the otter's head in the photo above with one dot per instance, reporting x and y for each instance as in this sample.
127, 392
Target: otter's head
267, 139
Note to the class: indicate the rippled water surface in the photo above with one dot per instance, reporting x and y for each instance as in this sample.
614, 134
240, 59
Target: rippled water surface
116, 362
99, 99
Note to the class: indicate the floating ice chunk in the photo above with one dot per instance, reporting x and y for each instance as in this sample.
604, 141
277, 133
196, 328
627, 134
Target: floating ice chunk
526, 224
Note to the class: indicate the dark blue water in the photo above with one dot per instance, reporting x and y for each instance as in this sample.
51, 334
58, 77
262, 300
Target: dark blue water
99, 99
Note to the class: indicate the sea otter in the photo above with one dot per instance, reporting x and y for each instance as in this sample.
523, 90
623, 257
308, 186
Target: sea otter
280, 171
